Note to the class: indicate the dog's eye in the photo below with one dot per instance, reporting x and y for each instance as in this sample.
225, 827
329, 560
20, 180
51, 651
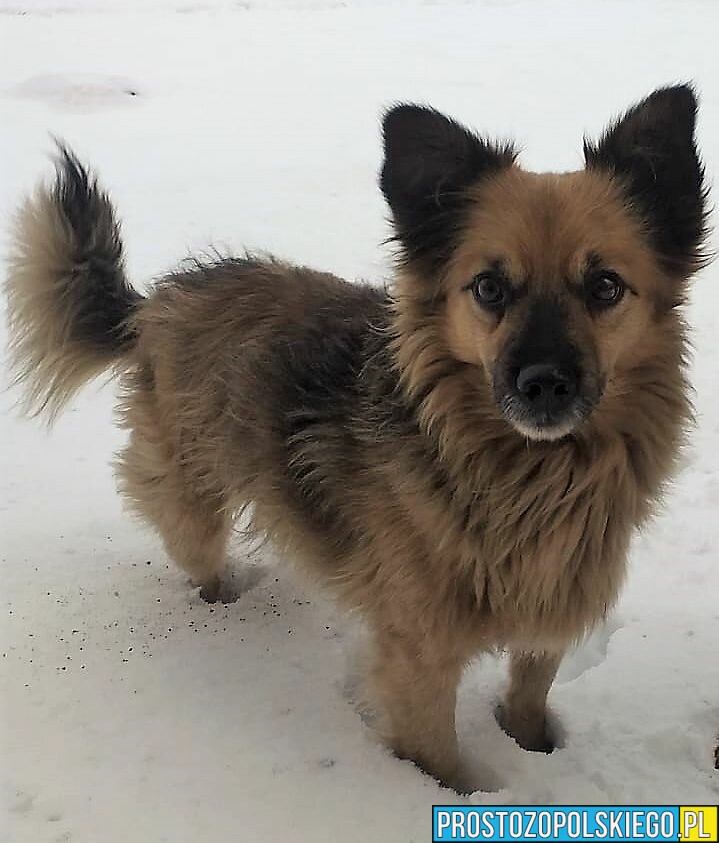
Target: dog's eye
489, 291
605, 289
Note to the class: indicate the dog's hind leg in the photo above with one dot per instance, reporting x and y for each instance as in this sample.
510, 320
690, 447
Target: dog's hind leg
523, 715
194, 525
195, 534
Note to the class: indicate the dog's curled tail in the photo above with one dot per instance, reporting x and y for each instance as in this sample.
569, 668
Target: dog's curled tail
70, 306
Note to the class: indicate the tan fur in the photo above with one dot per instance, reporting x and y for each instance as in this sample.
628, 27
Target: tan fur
422, 508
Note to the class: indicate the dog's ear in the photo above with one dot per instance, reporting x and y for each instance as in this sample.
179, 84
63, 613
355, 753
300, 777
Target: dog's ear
429, 161
652, 149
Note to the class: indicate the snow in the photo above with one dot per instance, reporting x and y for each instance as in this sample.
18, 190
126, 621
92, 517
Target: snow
132, 711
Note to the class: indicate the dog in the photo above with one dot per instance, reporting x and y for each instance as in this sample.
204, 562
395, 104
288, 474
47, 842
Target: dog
461, 457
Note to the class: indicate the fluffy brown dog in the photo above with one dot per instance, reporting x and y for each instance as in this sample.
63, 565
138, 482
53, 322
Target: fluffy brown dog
462, 458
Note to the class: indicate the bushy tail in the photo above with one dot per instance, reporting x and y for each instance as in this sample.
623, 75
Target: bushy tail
69, 302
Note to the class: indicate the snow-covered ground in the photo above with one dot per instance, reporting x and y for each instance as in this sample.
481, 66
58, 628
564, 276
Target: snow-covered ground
131, 711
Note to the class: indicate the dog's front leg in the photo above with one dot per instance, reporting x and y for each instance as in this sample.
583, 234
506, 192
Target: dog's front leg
415, 685
523, 715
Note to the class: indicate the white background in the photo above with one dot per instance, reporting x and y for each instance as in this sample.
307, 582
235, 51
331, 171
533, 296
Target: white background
133, 712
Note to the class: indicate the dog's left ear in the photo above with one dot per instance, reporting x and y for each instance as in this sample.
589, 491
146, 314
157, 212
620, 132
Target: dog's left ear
652, 149
430, 161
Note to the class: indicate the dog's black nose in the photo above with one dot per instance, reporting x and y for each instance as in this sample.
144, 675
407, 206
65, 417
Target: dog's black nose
546, 387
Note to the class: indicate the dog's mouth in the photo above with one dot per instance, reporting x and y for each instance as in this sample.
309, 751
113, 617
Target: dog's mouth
544, 425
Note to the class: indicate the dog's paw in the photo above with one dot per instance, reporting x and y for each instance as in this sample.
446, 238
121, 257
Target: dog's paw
451, 777
232, 584
460, 782
214, 592
533, 733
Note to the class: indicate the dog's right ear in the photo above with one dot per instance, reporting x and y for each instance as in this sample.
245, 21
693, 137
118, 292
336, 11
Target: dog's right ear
429, 161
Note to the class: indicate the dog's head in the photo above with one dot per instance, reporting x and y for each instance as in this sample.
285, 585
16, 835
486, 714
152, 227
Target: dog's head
548, 283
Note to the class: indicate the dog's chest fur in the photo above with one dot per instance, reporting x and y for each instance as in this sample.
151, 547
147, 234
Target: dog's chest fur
533, 540
527, 540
